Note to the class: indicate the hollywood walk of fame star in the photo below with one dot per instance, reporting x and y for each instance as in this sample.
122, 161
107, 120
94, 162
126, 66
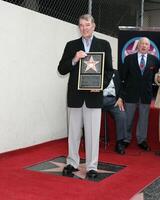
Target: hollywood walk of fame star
91, 64
59, 167
82, 171
80, 174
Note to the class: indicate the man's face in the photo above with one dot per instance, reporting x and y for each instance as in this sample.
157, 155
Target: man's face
144, 45
86, 28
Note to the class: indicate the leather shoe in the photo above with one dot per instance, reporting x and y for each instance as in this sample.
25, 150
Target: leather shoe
91, 174
68, 170
120, 148
143, 145
126, 144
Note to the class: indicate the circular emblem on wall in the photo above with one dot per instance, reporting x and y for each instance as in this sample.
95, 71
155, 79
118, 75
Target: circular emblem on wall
131, 47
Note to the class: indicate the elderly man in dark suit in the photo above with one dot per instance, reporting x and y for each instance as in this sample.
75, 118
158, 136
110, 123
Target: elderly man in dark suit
84, 107
113, 103
137, 77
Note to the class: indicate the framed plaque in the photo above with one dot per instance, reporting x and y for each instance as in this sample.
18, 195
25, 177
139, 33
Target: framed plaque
91, 71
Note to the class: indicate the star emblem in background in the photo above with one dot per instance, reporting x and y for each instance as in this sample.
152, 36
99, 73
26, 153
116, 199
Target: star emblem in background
91, 64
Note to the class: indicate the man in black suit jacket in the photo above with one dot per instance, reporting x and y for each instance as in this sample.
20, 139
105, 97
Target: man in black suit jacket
84, 107
137, 77
113, 103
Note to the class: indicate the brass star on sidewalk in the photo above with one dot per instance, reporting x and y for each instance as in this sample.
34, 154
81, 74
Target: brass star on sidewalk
82, 171
91, 64
55, 167
59, 167
80, 174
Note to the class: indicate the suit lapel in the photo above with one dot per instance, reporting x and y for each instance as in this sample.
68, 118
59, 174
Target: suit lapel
80, 44
148, 62
135, 60
93, 44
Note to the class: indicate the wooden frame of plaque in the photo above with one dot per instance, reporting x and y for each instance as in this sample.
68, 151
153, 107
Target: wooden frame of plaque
91, 71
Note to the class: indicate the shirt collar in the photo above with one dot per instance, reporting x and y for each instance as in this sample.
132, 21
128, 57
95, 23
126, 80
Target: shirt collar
90, 39
140, 55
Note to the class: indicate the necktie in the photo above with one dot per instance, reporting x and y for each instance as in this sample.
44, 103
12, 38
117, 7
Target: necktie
142, 64
87, 42
87, 47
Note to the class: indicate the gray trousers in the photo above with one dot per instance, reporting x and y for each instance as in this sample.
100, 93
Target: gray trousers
90, 119
142, 125
120, 119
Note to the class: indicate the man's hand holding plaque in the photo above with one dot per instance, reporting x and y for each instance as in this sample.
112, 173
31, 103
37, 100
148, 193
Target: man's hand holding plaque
79, 55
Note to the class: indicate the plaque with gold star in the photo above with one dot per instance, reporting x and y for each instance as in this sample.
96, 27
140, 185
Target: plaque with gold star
91, 71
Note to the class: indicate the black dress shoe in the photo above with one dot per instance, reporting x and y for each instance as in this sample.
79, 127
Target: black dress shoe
68, 170
143, 145
120, 148
91, 174
126, 144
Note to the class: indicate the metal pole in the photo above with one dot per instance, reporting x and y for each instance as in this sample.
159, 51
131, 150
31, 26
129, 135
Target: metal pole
90, 7
142, 13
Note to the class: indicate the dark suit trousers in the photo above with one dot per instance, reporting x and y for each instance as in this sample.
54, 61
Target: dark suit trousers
120, 120
142, 125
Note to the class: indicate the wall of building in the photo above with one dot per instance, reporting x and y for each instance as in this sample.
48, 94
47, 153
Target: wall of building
32, 93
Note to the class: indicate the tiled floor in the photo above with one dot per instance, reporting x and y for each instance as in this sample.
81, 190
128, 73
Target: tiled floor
151, 192
56, 165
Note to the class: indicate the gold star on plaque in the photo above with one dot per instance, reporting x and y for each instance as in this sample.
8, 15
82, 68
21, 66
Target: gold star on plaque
91, 64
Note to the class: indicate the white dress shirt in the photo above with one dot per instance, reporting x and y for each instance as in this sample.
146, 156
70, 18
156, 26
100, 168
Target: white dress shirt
110, 89
140, 56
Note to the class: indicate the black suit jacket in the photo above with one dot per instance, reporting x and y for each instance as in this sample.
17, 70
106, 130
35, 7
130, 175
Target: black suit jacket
117, 83
75, 97
137, 87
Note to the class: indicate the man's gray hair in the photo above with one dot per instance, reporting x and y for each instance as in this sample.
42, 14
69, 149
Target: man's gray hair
144, 38
87, 17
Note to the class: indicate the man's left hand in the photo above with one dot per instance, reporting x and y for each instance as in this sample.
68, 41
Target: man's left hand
120, 104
